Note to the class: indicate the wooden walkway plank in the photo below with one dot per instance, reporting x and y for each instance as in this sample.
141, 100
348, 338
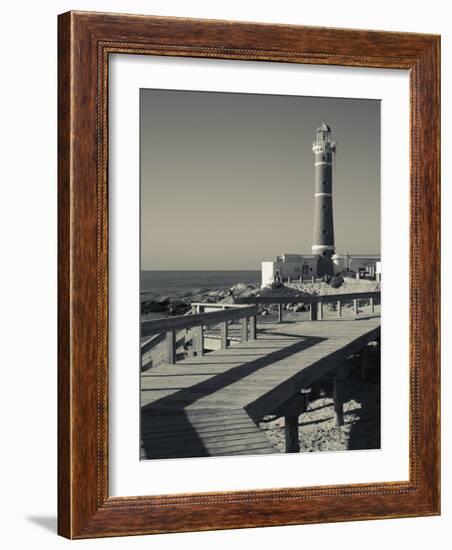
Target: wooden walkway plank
195, 435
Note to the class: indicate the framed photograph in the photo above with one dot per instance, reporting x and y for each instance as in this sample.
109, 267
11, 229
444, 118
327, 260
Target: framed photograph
248, 275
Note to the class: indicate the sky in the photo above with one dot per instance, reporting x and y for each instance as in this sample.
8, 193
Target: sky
227, 180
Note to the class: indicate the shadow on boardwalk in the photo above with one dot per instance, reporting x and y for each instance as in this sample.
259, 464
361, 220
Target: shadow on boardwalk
180, 399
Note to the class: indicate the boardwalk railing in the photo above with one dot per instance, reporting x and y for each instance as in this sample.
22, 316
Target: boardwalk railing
245, 310
315, 302
201, 307
197, 321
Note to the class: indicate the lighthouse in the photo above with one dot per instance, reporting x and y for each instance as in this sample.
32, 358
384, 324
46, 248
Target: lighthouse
323, 237
290, 268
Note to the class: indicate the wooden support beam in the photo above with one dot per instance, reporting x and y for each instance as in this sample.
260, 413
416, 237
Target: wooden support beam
320, 312
305, 393
355, 306
244, 331
253, 327
224, 334
338, 401
339, 308
291, 433
189, 339
171, 347
280, 310
372, 306
291, 410
199, 340
313, 311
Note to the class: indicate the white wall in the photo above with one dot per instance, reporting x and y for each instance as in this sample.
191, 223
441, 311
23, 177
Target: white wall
267, 273
28, 269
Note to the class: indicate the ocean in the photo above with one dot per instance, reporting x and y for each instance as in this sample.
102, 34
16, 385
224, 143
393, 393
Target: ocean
178, 283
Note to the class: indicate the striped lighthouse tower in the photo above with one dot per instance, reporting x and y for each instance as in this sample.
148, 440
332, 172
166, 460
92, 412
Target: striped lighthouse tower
323, 239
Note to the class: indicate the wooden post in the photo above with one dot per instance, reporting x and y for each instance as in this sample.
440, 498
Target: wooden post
313, 311
339, 308
224, 335
244, 335
253, 327
289, 279
355, 306
279, 313
194, 310
200, 340
189, 338
372, 307
338, 401
305, 393
291, 410
291, 432
320, 313
171, 347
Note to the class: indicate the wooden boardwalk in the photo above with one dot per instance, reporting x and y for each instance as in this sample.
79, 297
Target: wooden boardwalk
210, 405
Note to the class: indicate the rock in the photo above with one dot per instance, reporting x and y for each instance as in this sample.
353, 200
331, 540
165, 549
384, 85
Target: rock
178, 308
240, 287
155, 306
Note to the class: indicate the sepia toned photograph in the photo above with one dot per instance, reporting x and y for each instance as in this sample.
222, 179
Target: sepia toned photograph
261, 274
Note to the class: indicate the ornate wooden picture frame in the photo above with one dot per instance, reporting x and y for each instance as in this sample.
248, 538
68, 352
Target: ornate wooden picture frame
86, 40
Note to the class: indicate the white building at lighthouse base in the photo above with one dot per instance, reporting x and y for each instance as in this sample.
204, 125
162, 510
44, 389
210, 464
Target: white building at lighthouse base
293, 267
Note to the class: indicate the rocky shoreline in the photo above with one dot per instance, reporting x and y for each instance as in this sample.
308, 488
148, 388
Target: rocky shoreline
179, 303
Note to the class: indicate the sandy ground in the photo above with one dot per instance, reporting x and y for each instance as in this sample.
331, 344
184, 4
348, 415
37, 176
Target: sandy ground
317, 432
